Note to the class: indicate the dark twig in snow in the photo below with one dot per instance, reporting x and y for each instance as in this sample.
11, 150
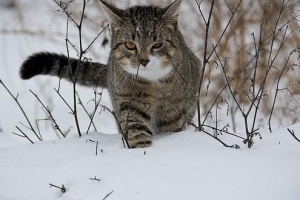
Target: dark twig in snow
96, 146
107, 195
95, 179
293, 134
62, 188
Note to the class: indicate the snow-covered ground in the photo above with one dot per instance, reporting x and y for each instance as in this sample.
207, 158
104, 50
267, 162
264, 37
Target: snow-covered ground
185, 165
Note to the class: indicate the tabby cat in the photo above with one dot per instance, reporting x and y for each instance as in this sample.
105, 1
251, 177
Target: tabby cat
151, 75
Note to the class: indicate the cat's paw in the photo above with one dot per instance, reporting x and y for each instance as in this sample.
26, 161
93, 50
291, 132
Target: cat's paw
139, 140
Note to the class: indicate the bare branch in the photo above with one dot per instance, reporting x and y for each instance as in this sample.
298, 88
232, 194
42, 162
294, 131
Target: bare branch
24, 135
15, 98
107, 195
56, 126
85, 110
62, 188
293, 134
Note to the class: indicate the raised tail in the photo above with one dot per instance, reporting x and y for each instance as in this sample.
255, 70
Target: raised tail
89, 73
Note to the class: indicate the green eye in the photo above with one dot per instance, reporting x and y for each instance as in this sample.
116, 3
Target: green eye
157, 45
130, 45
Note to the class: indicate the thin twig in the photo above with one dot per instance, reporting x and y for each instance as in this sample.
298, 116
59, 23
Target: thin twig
91, 44
205, 60
56, 126
235, 146
214, 103
293, 134
15, 98
57, 91
95, 109
97, 142
125, 141
95, 179
24, 135
226, 132
62, 188
107, 195
85, 110
277, 90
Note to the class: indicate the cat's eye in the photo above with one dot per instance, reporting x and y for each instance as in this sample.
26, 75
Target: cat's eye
130, 45
157, 45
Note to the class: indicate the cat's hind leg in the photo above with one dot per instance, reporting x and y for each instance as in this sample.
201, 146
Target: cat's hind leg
171, 118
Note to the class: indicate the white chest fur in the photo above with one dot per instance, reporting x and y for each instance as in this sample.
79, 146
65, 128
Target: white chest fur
153, 71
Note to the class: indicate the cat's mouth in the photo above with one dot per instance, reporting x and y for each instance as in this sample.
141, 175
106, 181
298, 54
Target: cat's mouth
152, 73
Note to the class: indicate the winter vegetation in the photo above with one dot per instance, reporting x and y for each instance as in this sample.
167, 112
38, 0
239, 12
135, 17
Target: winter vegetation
59, 140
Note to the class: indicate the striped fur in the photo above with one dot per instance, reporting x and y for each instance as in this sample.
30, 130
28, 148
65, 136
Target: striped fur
151, 75
61, 66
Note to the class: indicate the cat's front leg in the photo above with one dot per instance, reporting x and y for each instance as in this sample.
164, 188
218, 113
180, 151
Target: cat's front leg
135, 123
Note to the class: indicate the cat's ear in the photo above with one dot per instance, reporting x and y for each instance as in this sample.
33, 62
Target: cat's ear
111, 12
171, 12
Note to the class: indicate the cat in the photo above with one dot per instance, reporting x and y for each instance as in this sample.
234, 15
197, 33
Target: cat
152, 76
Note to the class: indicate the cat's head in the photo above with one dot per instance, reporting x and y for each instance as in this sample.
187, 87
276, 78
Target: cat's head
144, 38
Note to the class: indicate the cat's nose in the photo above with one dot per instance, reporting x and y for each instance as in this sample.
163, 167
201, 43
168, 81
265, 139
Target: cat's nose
144, 62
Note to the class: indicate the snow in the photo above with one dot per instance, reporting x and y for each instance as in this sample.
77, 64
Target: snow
185, 165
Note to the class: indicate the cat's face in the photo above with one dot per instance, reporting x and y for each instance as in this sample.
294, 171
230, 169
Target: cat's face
143, 39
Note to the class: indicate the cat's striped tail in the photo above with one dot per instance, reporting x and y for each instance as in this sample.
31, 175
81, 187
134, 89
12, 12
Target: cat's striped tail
89, 73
